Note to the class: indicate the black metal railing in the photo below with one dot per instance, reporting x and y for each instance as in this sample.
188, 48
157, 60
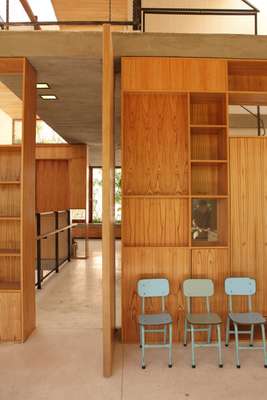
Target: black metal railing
53, 243
138, 21
140, 13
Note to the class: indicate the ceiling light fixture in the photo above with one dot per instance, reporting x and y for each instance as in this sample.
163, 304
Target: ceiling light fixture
48, 96
42, 85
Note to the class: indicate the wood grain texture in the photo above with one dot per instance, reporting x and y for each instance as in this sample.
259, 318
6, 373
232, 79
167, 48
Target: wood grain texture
138, 263
10, 311
93, 231
208, 144
248, 166
212, 264
52, 185
247, 76
28, 244
209, 179
155, 144
155, 222
10, 164
208, 109
61, 177
173, 74
11, 65
9, 269
108, 165
10, 200
92, 11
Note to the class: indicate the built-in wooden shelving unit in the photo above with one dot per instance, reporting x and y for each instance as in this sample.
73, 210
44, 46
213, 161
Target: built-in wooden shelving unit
17, 216
209, 168
175, 157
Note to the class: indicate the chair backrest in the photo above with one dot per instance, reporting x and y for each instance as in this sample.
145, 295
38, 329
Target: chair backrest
240, 287
198, 288
153, 287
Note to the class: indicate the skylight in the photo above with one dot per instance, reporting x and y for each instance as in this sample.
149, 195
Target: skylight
43, 9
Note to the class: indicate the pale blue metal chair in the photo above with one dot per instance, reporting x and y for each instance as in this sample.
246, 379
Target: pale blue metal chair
243, 287
201, 288
154, 288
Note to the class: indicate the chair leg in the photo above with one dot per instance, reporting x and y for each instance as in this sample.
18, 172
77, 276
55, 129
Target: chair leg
185, 332
227, 332
170, 345
165, 334
140, 335
219, 345
143, 346
193, 346
209, 334
264, 344
251, 336
236, 346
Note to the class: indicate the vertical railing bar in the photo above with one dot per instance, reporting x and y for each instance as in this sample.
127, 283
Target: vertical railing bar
39, 260
69, 237
56, 242
7, 14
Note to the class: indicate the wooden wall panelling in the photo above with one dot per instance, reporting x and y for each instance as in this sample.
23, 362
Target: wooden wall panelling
10, 163
10, 200
10, 270
10, 311
208, 109
212, 264
78, 182
248, 166
52, 185
247, 75
155, 222
10, 234
94, 231
209, 179
28, 228
143, 262
165, 73
208, 144
108, 165
154, 122
12, 66
62, 177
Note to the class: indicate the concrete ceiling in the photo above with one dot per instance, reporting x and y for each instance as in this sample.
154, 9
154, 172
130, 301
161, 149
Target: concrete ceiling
71, 62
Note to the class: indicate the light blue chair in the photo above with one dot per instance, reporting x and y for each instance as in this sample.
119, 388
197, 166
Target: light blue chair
243, 287
201, 288
154, 288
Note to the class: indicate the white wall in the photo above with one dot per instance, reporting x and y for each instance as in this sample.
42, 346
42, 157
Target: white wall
205, 24
5, 128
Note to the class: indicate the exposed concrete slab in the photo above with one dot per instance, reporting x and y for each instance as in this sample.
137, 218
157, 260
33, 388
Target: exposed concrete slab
190, 45
71, 62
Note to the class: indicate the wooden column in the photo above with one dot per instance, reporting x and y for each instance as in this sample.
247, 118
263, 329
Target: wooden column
28, 244
108, 241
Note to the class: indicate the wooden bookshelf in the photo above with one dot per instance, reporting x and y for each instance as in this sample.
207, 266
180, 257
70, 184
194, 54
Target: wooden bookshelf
17, 220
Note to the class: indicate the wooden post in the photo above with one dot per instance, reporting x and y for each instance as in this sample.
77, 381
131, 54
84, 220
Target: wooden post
108, 240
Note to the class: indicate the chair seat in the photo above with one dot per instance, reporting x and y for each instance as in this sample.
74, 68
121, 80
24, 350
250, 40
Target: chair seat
204, 319
250, 318
155, 319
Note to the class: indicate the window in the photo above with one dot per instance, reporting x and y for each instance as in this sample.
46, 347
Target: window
96, 195
44, 134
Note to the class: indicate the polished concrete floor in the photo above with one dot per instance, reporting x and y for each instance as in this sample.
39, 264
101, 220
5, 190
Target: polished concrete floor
62, 359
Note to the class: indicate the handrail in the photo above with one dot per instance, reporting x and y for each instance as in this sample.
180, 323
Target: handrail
46, 235
67, 23
140, 13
